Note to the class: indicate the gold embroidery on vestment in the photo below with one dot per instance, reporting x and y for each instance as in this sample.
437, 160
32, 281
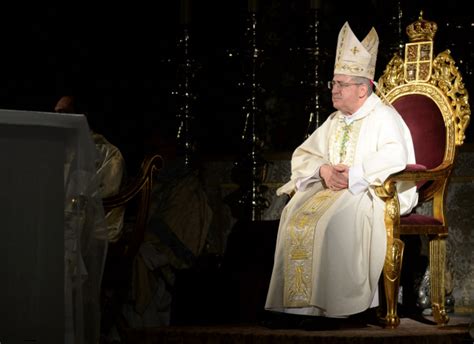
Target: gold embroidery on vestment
344, 142
299, 248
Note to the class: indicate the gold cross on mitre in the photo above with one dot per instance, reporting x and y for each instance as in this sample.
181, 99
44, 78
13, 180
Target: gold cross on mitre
354, 50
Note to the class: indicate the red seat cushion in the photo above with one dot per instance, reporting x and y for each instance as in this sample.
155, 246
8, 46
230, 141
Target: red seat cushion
414, 168
418, 219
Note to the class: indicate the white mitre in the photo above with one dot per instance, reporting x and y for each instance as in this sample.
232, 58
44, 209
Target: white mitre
353, 57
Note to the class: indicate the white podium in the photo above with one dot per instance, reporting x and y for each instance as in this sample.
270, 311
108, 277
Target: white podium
40, 301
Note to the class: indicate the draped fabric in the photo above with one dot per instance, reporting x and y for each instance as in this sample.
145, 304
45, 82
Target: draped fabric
180, 217
331, 244
110, 166
85, 244
52, 212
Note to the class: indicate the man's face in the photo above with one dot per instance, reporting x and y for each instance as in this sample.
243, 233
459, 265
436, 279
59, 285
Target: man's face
346, 94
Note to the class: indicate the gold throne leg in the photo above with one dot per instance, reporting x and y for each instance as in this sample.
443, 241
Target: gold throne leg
391, 271
437, 275
394, 255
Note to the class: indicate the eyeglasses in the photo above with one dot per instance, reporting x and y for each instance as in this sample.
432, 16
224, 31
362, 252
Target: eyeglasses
339, 84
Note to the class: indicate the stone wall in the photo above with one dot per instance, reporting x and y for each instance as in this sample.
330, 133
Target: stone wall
460, 244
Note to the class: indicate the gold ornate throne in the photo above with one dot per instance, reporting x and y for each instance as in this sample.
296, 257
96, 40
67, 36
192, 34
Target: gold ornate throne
429, 94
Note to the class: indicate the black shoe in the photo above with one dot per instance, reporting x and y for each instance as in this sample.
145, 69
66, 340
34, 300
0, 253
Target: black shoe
277, 320
317, 323
370, 316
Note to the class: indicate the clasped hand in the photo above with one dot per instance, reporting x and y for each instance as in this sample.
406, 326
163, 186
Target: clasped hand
336, 177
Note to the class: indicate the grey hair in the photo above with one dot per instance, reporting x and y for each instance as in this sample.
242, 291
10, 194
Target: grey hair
364, 81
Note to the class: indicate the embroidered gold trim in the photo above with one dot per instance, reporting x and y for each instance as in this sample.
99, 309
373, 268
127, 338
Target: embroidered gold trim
299, 248
344, 142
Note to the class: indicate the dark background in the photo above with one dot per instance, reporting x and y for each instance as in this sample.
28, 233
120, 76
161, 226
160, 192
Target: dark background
125, 60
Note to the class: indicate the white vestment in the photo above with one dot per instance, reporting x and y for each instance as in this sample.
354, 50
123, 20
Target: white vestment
110, 166
331, 245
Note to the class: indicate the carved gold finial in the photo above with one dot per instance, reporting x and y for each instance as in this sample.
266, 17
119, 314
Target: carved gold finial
422, 30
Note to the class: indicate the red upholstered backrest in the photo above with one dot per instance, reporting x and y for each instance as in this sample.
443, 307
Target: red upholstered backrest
427, 128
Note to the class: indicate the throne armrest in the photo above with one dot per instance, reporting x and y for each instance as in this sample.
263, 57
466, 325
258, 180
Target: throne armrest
416, 173
419, 173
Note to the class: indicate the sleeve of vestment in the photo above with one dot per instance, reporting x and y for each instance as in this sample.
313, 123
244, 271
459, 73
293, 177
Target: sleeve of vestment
308, 157
391, 153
